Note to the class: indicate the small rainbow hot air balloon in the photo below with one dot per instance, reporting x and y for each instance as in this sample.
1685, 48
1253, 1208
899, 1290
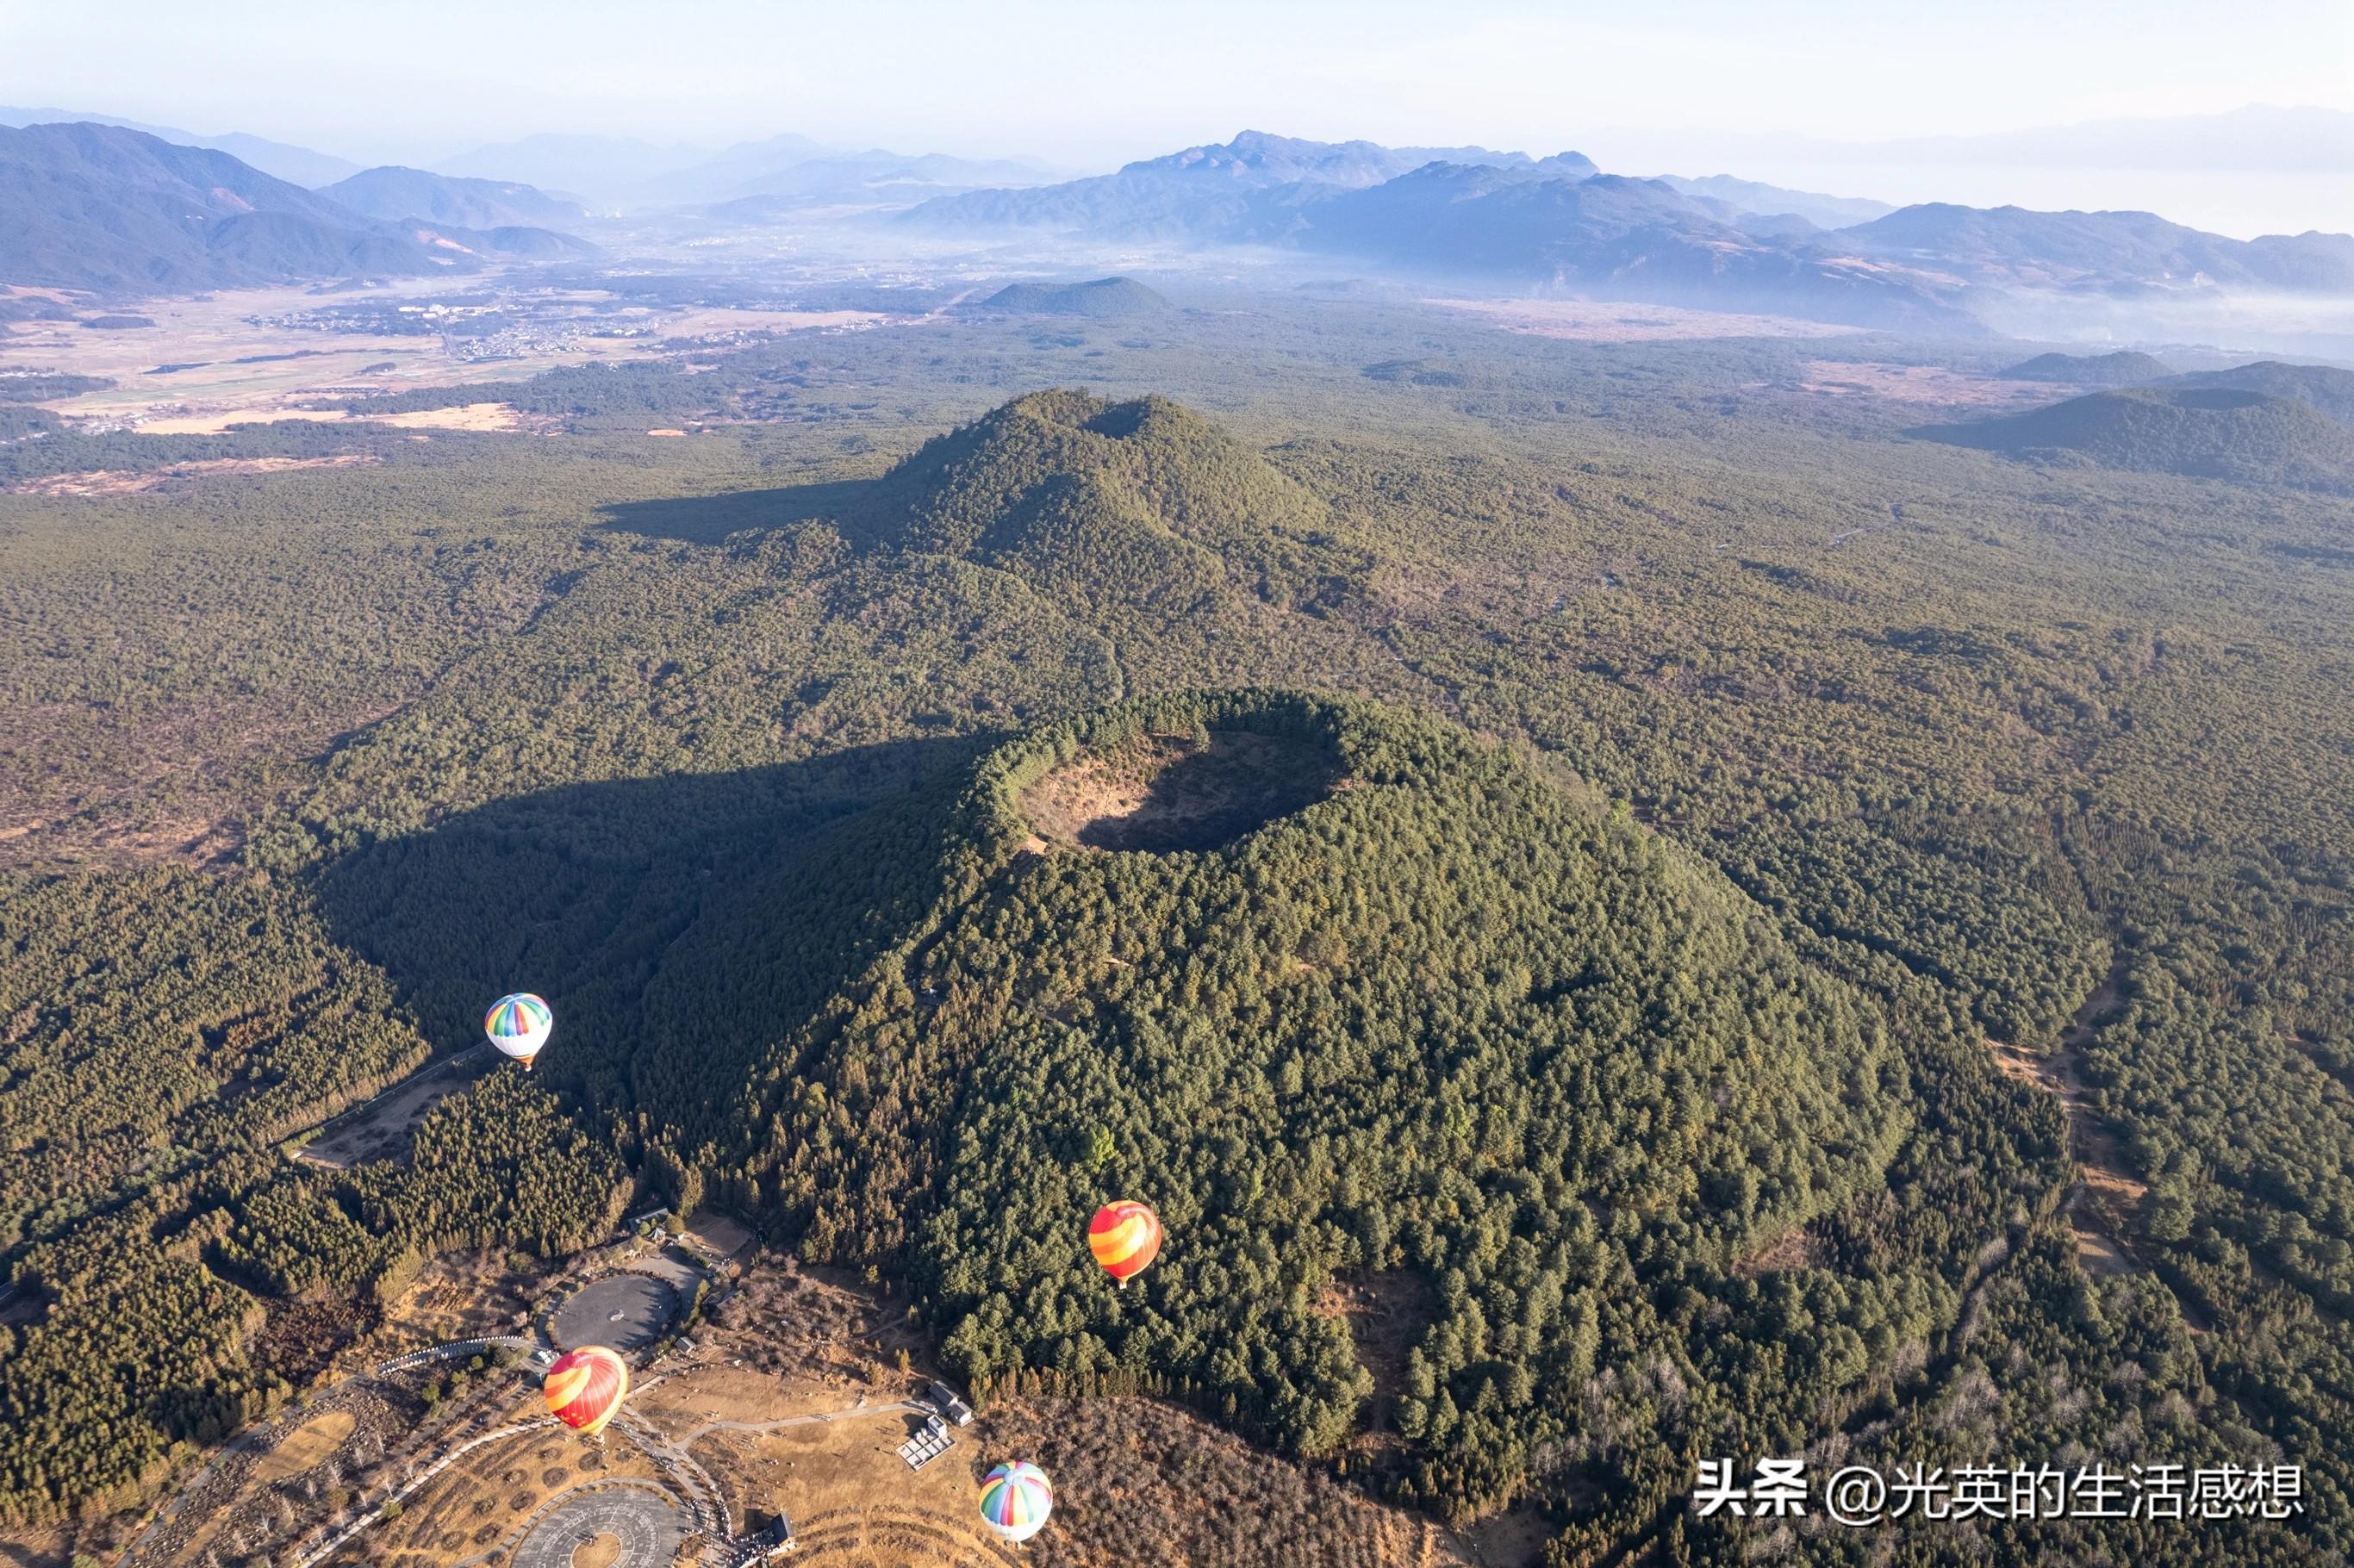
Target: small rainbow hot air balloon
518, 1026
1124, 1236
1015, 1499
585, 1388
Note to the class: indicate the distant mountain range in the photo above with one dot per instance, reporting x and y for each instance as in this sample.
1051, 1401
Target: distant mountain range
1234, 191
2122, 369
2104, 252
392, 193
1503, 219
596, 169
871, 179
1763, 200
746, 182
116, 210
1472, 213
296, 165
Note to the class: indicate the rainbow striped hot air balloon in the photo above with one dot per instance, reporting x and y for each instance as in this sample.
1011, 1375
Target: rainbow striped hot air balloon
1015, 1499
585, 1388
518, 1026
1124, 1236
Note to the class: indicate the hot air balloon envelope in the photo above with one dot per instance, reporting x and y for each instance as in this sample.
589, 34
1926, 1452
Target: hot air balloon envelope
1015, 1499
584, 1387
518, 1026
1124, 1236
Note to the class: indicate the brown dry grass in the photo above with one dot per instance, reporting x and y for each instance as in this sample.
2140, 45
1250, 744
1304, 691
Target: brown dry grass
212, 333
43, 1546
725, 1236
853, 1500
108, 481
461, 1296
1516, 1538
1794, 1249
1923, 384
1387, 1314
464, 416
304, 1447
1138, 1482
1609, 321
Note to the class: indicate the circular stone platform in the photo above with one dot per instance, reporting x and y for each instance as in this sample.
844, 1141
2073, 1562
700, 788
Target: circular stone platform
647, 1525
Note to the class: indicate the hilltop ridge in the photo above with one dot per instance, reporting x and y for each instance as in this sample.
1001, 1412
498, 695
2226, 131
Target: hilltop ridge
2203, 431
115, 210
1144, 503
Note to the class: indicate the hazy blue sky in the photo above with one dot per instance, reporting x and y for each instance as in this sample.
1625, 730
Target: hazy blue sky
1091, 85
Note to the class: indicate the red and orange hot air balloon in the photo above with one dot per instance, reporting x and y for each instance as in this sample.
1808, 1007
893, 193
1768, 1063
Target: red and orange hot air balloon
585, 1388
1124, 1236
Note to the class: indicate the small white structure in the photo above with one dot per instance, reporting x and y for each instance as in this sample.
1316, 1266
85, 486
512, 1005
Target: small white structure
928, 1444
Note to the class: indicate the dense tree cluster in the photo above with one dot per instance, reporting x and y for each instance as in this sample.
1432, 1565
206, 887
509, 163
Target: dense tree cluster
168, 1031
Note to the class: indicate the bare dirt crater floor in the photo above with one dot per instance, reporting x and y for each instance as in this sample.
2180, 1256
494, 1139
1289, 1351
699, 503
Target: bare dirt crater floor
1174, 792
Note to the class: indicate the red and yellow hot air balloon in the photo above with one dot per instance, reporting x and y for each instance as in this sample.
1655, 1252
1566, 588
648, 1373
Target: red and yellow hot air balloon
585, 1388
1124, 1236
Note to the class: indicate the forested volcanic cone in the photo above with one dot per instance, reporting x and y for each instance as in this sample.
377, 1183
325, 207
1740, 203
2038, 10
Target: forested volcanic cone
1143, 504
1348, 996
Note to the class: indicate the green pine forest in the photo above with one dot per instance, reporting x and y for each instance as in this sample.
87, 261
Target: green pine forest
1689, 780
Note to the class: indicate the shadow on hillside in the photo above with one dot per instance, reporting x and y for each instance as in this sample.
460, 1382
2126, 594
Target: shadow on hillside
709, 519
678, 927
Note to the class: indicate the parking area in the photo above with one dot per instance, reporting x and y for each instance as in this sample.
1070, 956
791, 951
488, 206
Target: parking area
624, 1311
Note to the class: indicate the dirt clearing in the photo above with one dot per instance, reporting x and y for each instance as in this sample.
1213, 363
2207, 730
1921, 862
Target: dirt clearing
380, 1129
1387, 1314
1170, 793
464, 416
108, 481
2102, 1202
